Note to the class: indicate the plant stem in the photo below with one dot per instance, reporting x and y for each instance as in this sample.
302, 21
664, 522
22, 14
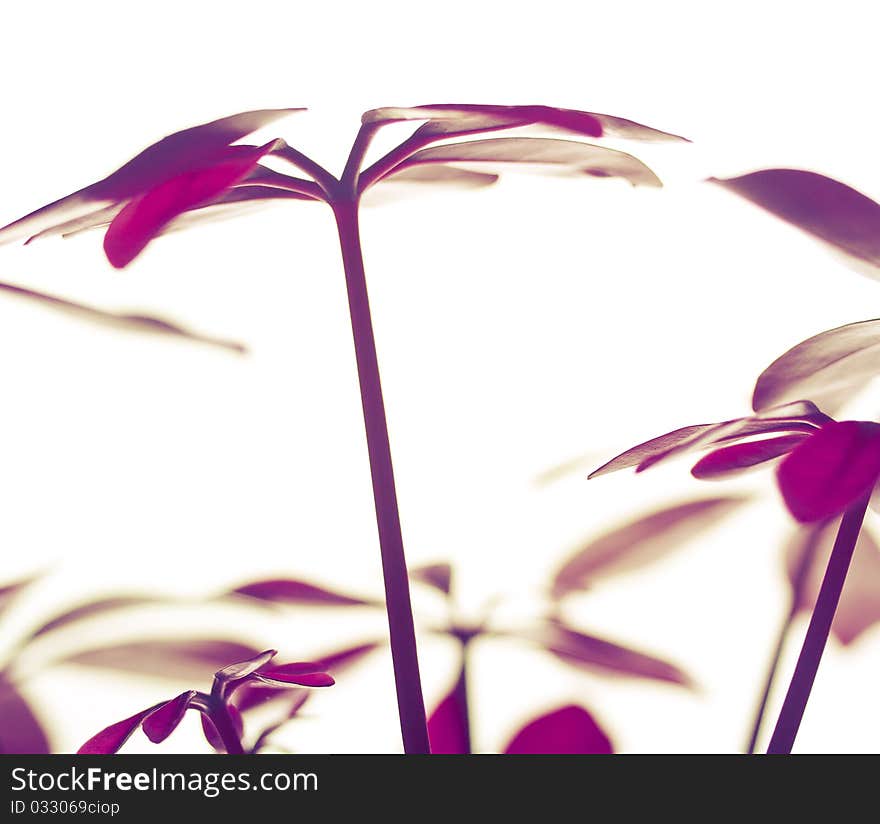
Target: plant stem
404, 655
460, 696
804, 563
817, 633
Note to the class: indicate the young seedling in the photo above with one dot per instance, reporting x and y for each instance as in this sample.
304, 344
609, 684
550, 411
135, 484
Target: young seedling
202, 171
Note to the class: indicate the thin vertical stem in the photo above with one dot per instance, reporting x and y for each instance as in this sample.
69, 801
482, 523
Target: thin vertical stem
817, 633
400, 621
460, 696
804, 563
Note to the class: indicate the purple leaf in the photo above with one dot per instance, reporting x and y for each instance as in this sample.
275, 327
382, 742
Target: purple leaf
176, 154
341, 660
588, 652
448, 727
299, 698
838, 361
210, 731
302, 674
146, 216
298, 592
192, 660
569, 730
91, 609
242, 669
656, 446
9, 591
117, 320
640, 542
160, 723
111, 738
438, 576
859, 607
825, 208
250, 694
830, 470
20, 731
446, 120
570, 156
730, 460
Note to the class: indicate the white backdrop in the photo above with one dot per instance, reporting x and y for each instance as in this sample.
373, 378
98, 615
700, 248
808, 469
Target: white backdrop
518, 327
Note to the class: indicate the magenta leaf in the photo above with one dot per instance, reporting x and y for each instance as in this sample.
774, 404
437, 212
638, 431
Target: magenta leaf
446, 120
242, 669
302, 674
823, 367
186, 659
568, 155
859, 607
250, 694
118, 320
569, 730
640, 542
448, 727
161, 722
298, 592
147, 215
830, 470
825, 208
20, 731
174, 155
438, 576
111, 738
730, 460
595, 654
210, 731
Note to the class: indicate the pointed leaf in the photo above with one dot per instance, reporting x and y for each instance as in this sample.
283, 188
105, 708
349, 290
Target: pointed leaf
438, 576
440, 173
118, 320
569, 730
453, 119
111, 738
839, 360
180, 152
830, 470
859, 607
304, 674
656, 446
341, 660
568, 155
641, 541
91, 609
9, 591
20, 731
825, 208
161, 722
147, 215
242, 669
286, 591
730, 460
593, 653
192, 660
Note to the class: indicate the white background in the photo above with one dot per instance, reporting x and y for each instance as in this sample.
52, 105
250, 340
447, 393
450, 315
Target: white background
519, 327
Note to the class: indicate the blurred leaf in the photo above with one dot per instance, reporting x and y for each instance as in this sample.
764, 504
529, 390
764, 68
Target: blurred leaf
641, 541
160, 723
438, 576
287, 591
111, 738
117, 320
9, 591
829, 471
20, 731
593, 653
439, 173
448, 725
93, 608
193, 660
859, 607
570, 156
569, 730
730, 460
300, 697
341, 660
175, 154
825, 208
823, 367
